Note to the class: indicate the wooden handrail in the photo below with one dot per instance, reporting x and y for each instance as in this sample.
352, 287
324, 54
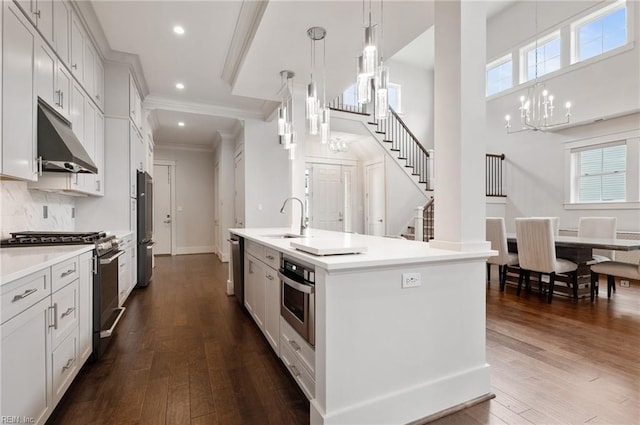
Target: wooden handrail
402, 123
495, 155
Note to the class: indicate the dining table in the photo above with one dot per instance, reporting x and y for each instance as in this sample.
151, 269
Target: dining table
579, 250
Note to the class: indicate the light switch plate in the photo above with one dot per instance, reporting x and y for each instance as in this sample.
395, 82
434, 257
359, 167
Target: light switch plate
411, 280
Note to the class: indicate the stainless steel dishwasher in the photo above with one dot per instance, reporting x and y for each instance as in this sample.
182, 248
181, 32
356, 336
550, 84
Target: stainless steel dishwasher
237, 261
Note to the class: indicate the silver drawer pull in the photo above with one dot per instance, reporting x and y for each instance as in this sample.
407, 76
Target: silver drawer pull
69, 364
295, 371
68, 312
55, 316
25, 294
294, 345
271, 257
269, 277
68, 272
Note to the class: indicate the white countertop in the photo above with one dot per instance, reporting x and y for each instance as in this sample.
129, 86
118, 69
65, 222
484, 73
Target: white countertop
19, 262
381, 251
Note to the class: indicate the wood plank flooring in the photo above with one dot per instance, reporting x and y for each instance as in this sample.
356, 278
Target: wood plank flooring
185, 353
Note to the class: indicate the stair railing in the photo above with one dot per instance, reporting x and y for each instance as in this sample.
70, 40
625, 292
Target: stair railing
338, 104
427, 224
403, 141
495, 175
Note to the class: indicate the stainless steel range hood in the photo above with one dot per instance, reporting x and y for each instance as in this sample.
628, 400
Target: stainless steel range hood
58, 146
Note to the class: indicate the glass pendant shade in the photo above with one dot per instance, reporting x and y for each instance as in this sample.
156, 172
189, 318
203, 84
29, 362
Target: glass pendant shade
312, 99
382, 92
282, 114
370, 52
363, 88
324, 125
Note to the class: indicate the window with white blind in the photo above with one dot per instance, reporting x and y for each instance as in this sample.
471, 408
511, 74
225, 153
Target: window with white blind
601, 173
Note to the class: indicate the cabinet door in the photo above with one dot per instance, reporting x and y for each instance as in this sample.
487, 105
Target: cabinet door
85, 307
26, 364
61, 27
99, 82
133, 148
133, 90
46, 75
99, 154
124, 274
256, 273
249, 282
77, 112
63, 91
88, 181
18, 95
89, 68
77, 49
65, 307
44, 18
64, 365
272, 314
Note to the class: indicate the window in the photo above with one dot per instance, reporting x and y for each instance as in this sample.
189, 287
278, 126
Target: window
601, 173
600, 32
350, 97
499, 75
541, 57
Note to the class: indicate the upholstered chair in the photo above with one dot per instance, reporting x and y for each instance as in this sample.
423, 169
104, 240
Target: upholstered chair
537, 253
497, 235
613, 269
598, 227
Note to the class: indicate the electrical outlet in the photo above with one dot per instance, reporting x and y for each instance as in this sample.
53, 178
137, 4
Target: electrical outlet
411, 280
624, 283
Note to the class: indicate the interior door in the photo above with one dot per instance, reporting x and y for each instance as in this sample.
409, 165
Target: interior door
375, 200
327, 197
162, 209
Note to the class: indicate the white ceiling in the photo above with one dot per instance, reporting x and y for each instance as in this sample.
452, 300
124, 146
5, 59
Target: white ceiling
197, 58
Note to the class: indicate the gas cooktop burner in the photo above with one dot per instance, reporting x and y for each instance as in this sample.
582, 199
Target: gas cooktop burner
52, 238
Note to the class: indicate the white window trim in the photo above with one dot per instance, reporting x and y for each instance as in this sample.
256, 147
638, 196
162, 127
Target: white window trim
496, 63
524, 63
632, 139
577, 173
594, 16
398, 88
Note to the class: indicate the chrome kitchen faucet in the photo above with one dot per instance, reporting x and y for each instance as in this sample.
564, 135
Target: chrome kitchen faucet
304, 228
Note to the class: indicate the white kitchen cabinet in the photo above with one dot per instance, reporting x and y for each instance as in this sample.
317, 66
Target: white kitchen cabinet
78, 100
64, 83
135, 104
89, 68
85, 304
254, 289
77, 48
61, 29
136, 158
272, 308
26, 364
18, 95
46, 68
44, 314
99, 155
40, 12
125, 266
98, 93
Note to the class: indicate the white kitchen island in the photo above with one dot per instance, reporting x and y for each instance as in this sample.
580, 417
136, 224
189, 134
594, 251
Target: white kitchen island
385, 354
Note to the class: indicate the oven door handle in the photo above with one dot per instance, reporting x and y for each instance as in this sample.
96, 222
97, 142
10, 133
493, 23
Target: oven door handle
109, 259
307, 289
107, 333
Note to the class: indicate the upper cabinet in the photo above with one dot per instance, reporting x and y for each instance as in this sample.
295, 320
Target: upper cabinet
135, 104
40, 12
53, 82
18, 96
61, 29
77, 49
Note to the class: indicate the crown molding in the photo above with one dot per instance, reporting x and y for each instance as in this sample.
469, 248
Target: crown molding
247, 25
159, 102
226, 137
186, 148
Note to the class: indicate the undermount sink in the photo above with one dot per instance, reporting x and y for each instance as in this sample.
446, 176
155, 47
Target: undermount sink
284, 236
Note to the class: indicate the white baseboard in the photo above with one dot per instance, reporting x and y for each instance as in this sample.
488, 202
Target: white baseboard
223, 256
183, 250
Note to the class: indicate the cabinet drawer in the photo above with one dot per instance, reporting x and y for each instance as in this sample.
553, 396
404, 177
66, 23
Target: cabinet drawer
65, 365
63, 273
305, 380
65, 308
25, 292
254, 249
272, 258
300, 347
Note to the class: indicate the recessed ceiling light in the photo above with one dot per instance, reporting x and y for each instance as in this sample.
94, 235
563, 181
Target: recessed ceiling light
181, 124
178, 29
179, 86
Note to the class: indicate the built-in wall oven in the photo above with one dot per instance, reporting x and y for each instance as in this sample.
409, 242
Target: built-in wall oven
297, 297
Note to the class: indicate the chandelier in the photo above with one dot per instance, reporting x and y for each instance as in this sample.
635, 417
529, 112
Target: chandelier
337, 144
317, 116
371, 72
537, 107
285, 113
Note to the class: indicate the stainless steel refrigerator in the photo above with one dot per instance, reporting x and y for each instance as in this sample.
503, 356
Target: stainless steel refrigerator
145, 228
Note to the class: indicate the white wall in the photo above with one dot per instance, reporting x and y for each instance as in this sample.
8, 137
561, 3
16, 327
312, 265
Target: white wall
417, 99
224, 156
402, 196
598, 89
195, 186
22, 209
266, 178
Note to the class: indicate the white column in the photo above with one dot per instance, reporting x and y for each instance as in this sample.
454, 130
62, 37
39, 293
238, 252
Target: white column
459, 125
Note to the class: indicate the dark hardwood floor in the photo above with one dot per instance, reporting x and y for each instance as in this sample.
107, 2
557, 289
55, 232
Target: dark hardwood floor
185, 353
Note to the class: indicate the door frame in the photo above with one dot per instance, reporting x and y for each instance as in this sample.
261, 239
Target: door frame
367, 212
172, 181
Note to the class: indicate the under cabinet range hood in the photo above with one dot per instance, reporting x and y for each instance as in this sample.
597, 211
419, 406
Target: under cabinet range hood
58, 146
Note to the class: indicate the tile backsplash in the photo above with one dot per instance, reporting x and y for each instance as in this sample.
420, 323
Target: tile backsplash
22, 209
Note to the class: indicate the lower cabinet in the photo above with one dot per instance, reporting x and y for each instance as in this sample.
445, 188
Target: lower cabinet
125, 267
47, 340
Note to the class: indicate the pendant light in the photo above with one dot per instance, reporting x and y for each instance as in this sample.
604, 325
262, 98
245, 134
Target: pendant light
370, 51
382, 77
285, 112
363, 87
317, 117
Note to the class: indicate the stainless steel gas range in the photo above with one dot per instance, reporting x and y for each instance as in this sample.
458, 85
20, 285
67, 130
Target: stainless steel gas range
106, 312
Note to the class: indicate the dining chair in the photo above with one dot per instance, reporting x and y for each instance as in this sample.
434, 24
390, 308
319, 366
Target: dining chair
613, 269
537, 253
598, 227
497, 235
